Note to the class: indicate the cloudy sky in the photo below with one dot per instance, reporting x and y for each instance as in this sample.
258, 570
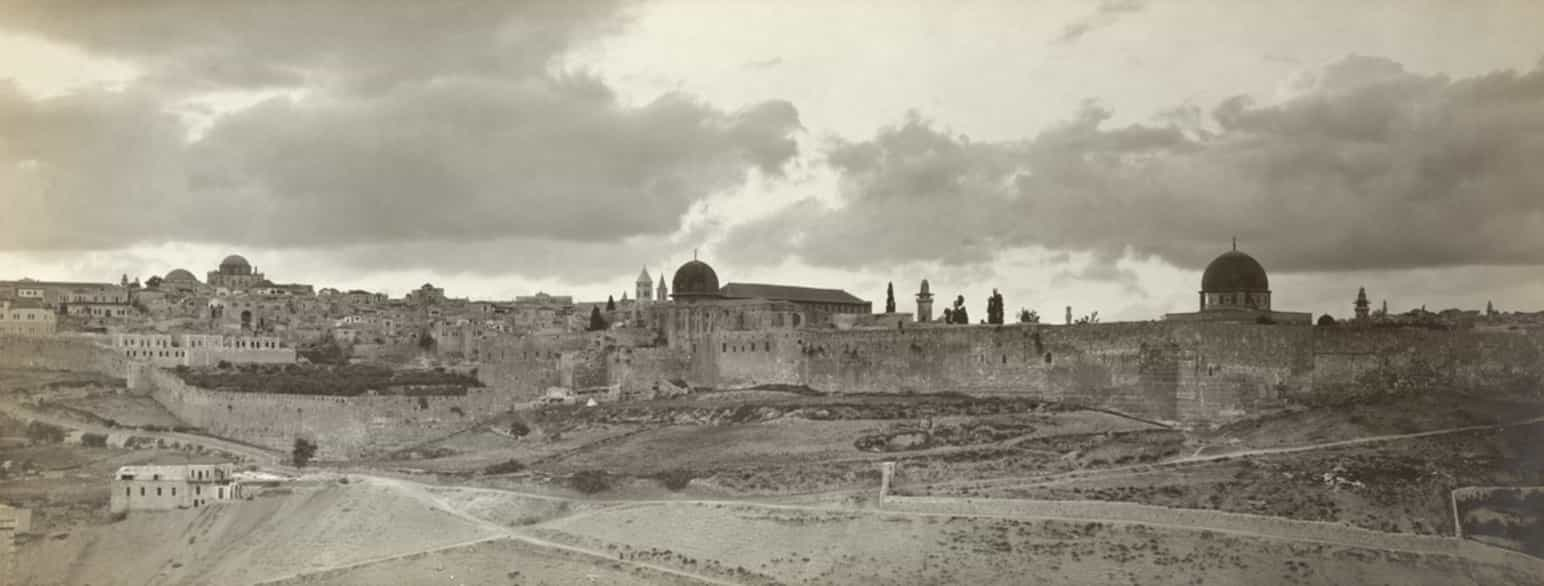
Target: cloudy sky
1093, 154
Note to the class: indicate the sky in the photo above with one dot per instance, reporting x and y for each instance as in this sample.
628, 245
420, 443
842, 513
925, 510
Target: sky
1084, 154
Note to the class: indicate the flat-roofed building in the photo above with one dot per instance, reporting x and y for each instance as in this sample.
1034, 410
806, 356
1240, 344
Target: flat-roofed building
166, 487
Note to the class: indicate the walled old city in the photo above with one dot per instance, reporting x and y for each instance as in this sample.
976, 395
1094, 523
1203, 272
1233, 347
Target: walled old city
265, 381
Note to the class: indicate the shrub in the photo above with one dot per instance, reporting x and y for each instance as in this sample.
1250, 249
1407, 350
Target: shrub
43, 433
518, 428
505, 467
303, 452
590, 481
675, 480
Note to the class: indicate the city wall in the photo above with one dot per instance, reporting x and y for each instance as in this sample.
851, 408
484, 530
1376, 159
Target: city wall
341, 427
61, 352
1194, 371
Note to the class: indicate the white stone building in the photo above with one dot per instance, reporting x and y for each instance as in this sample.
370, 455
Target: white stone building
160, 488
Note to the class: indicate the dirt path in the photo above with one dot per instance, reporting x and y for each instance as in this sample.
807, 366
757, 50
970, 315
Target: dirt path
422, 492
1256, 526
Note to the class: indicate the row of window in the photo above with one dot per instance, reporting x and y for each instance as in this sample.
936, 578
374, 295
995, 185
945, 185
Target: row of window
197, 490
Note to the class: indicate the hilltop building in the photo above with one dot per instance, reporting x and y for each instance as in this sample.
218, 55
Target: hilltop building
235, 274
160, 488
26, 317
700, 307
1235, 288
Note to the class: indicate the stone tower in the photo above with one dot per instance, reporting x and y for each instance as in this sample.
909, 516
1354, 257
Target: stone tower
1362, 305
924, 303
664, 292
645, 286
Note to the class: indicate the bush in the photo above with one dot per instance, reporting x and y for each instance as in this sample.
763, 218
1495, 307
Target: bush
590, 481
303, 452
518, 428
505, 467
95, 440
675, 480
43, 433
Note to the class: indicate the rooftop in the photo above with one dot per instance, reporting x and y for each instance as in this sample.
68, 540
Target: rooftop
788, 293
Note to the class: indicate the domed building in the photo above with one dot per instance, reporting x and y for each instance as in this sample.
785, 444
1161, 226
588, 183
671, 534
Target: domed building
180, 280
1235, 287
235, 273
701, 309
695, 281
1235, 280
179, 276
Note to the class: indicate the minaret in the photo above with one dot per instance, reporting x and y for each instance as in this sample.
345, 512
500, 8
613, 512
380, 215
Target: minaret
663, 293
924, 304
1362, 305
645, 286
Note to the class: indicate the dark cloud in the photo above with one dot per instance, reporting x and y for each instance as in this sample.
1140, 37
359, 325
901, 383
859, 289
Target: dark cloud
446, 127
235, 44
1371, 167
1106, 14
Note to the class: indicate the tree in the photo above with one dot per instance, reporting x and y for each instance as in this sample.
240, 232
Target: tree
994, 308
1091, 318
597, 321
961, 315
302, 453
1027, 316
890, 298
1326, 320
611, 303
426, 340
948, 315
153, 282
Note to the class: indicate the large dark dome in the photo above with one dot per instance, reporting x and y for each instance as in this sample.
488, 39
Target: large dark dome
235, 265
695, 279
180, 276
1234, 271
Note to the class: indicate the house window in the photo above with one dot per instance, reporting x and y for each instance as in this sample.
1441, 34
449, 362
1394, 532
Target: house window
141, 491
158, 491
128, 491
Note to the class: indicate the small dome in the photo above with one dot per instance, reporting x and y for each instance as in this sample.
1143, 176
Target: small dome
695, 279
179, 276
1234, 271
235, 265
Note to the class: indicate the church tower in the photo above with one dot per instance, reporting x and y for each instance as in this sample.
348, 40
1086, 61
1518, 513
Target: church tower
1362, 305
924, 304
645, 286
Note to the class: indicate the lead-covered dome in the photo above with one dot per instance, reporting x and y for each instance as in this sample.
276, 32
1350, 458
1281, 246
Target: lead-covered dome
1234, 271
235, 265
179, 276
695, 279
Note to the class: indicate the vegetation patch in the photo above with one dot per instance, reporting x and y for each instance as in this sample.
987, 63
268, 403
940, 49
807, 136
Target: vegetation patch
348, 381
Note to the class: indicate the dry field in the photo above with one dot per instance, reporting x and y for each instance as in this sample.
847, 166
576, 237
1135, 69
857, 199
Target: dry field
276, 534
1399, 486
771, 443
753, 544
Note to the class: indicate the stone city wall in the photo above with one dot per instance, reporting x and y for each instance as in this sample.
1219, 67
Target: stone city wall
83, 353
342, 427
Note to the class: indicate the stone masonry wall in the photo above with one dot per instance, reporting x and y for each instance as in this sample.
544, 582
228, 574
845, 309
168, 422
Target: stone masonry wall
342, 427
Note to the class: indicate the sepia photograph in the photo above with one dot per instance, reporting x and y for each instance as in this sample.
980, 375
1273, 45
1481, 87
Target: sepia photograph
765, 292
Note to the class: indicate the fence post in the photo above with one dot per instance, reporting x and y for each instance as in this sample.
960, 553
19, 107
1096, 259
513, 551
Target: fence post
886, 472
1458, 524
